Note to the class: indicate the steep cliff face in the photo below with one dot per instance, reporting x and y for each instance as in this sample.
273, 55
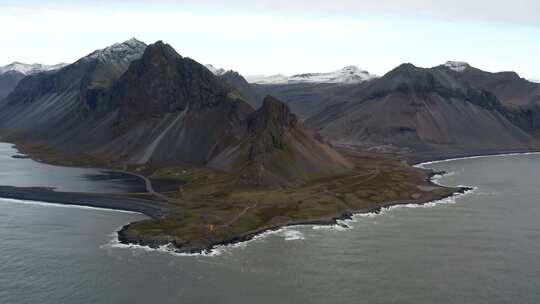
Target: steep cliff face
58, 106
423, 111
172, 108
276, 149
129, 102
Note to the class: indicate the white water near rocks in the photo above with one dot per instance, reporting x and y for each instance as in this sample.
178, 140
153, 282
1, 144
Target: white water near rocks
483, 247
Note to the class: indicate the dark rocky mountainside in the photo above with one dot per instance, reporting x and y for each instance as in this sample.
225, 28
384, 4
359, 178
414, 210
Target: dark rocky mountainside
8, 82
276, 149
509, 87
308, 99
425, 111
163, 108
172, 108
148, 104
252, 95
59, 107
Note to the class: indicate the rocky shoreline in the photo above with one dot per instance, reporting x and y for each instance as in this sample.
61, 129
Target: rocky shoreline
207, 246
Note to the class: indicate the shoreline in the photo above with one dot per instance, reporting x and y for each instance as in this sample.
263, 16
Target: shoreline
151, 208
323, 221
156, 209
421, 164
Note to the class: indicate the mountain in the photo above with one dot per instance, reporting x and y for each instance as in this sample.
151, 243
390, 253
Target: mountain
509, 87
346, 75
60, 105
128, 102
11, 74
427, 112
172, 108
308, 99
252, 95
214, 70
29, 69
308, 94
138, 104
276, 149
237, 82
8, 82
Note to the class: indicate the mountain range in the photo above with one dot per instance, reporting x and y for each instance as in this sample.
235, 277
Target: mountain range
346, 75
449, 110
139, 104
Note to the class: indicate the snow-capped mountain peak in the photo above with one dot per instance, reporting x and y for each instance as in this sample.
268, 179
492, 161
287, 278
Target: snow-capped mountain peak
457, 66
29, 69
214, 70
126, 51
347, 75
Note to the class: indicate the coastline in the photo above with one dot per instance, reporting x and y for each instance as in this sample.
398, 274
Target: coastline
156, 209
151, 208
421, 164
124, 239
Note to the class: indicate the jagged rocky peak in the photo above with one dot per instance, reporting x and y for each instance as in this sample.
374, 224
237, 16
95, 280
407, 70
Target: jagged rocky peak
30, 69
216, 71
457, 66
406, 72
273, 114
160, 52
126, 51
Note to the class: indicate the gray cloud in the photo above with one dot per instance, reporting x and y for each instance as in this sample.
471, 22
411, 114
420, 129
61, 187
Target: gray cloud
498, 11
493, 11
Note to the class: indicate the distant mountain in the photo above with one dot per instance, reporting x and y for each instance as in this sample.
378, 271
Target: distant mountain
29, 69
276, 149
11, 74
346, 75
430, 112
509, 87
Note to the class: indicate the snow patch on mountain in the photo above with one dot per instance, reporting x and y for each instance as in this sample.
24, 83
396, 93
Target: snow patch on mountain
457, 66
347, 75
126, 51
267, 79
214, 70
29, 69
534, 80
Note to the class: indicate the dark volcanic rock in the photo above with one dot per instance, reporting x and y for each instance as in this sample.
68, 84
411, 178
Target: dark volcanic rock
8, 82
129, 102
172, 108
426, 111
252, 94
277, 150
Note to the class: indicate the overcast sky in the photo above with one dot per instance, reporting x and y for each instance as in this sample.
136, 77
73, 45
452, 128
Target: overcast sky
268, 37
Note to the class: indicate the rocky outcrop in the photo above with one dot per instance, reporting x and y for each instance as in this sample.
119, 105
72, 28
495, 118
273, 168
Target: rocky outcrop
277, 150
171, 108
252, 95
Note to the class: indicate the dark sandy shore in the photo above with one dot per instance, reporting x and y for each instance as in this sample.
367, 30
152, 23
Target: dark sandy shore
151, 208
